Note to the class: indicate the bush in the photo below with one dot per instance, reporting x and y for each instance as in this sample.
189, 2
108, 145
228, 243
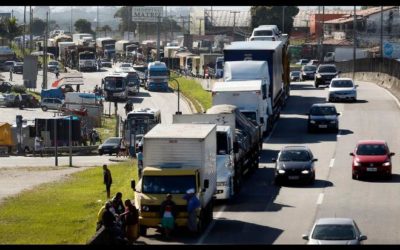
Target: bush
18, 89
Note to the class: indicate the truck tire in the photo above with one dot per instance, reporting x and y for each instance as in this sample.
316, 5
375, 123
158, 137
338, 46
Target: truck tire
143, 230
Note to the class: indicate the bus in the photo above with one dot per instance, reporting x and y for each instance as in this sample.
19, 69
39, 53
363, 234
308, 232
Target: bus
139, 122
114, 87
157, 76
133, 86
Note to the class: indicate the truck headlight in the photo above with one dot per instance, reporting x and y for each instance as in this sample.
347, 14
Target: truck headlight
281, 171
312, 121
305, 171
145, 208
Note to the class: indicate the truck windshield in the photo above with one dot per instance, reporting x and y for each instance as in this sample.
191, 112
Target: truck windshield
327, 69
168, 184
86, 56
109, 46
158, 73
250, 115
133, 79
113, 83
263, 33
222, 144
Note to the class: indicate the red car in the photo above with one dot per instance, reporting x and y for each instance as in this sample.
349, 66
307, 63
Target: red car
372, 157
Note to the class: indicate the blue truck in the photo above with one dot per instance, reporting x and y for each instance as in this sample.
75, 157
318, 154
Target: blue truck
274, 53
157, 76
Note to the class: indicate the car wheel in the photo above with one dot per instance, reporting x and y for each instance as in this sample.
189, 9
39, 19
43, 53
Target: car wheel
45, 108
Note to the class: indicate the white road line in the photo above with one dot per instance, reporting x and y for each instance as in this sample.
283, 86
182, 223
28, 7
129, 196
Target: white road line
394, 97
331, 162
320, 199
208, 230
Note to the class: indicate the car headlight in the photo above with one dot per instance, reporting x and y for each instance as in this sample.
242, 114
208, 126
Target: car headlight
305, 171
222, 183
312, 121
145, 208
281, 171
357, 163
318, 75
333, 121
386, 164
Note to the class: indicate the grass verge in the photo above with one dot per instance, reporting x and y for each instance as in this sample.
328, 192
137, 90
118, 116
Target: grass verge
108, 129
193, 91
63, 212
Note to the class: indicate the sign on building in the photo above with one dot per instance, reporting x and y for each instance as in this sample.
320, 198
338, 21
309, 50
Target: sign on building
147, 13
30, 71
391, 50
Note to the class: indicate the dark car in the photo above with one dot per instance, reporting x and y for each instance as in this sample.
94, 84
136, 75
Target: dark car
18, 68
294, 75
110, 146
5, 87
295, 163
323, 116
324, 74
371, 157
7, 65
106, 63
308, 72
53, 65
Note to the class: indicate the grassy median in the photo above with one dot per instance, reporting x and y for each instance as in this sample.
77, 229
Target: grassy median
63, 212
108, 127
194, 92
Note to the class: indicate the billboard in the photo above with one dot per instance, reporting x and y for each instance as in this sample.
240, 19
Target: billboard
30, 71
146, 13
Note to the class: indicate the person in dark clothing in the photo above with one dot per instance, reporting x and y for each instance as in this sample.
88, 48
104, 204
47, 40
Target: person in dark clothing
128, 107
131, 225
107, 180
168, 215
119, 205
109, 221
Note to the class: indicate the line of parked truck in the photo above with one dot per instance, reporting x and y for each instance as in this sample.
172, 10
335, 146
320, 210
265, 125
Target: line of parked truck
212, 152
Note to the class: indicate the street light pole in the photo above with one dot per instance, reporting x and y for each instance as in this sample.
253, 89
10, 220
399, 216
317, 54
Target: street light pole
354, 41
283, 19
23, 38
177, 112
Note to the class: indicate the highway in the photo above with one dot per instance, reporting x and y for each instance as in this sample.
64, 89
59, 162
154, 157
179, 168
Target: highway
266, 214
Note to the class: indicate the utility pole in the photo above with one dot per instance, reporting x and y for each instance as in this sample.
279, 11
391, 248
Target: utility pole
158, 38
97, 21
70, 25
354, 41
381, 48
283, 19
45, 53
200, 19
30, 29
322, 33
234, 23
23, 37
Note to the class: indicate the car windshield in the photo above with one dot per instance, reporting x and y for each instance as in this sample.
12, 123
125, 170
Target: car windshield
263, 33
53, 63
342, 84
126, 65
294, 155
168, 184
327, 69
112, 141
323, 111
295, 73
371, 149
310, 68
334, 232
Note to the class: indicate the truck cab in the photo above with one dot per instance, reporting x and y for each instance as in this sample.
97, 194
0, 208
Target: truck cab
157, 76
219, 67
87, 61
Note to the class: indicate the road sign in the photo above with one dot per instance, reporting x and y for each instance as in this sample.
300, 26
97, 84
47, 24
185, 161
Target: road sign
30, 71
146, 13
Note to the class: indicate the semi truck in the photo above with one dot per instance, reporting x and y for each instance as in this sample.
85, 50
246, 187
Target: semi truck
81, 58
121, 47
207, 61
249, 96
76, 38
275, 54
105, 47
178, 157
157, 76
344, 54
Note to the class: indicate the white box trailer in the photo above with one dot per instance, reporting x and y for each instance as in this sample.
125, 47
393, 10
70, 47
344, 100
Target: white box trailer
248, 96
61, 48
77, 37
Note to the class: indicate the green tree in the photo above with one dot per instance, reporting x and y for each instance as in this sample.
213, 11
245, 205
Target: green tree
106, 29
38, 27
126, 23
264, 15
83, 26
10, 29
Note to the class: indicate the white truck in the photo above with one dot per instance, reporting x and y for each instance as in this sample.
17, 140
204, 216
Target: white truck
225, 148
248, 96
76, 38
344, 54
177, 157
61, 49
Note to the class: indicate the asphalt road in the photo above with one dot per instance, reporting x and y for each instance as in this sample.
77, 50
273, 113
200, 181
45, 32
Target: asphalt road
267, 214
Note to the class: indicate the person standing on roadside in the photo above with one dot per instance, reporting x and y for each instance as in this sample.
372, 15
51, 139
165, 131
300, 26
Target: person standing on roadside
192, 204
38, 146
107, 179
168, 215
140, 162
131, 221
11, 74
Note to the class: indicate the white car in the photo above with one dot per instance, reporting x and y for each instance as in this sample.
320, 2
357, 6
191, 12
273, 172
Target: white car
342, 89
335, 231
266, 33
51, 103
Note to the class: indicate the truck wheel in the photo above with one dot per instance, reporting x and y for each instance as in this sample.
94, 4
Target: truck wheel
143, 230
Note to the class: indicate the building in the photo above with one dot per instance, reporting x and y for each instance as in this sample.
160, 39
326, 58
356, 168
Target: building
368, 26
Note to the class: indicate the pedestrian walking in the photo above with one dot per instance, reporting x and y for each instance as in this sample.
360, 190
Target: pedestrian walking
56, 72
11, 74
107, 179
38, 146
140, 162
193, 204
168, 215
131, 215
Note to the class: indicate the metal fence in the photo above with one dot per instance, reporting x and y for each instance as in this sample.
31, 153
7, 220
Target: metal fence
385, 65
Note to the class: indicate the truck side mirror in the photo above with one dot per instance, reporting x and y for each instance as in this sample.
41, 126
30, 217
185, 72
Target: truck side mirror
206, 183
235, 147
133, 185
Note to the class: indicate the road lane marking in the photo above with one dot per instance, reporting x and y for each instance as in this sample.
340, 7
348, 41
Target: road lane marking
208, 230
320, 199
394, 97
331, 162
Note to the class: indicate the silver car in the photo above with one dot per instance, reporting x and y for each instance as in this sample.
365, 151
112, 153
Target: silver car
51, 103
335, 231
342, 89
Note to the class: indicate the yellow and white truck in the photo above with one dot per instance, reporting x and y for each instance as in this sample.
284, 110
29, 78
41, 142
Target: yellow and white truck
177, 157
